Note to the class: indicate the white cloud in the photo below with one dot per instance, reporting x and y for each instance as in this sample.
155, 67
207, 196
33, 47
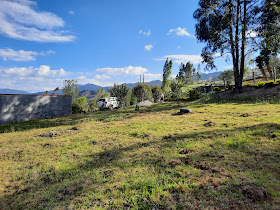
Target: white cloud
32, 79
101, 77
195, 59
180, 32
127, 71
251, 34
42, 71
229, 67
21, 55
150, 77
149, 47
47, 53
148, 33
84, 80
20, 21
71, 12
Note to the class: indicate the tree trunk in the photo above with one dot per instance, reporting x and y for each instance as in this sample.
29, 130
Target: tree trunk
270, 72
243, 47
236, 71
232, 43
263, 73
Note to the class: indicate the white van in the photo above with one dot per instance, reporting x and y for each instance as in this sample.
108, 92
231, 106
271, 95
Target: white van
108, 103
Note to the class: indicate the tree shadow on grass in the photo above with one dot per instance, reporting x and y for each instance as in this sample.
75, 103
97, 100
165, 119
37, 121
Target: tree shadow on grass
58, 188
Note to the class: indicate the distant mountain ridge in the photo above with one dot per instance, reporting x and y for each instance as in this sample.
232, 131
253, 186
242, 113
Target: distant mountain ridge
12, 91
210, 75
90, 87
94, 88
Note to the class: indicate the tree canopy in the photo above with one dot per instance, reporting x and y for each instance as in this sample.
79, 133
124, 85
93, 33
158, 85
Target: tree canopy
226, 27
166, 76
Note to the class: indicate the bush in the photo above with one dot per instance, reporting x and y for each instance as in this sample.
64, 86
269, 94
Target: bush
260, 84
168, 99
122, 92
79, 105
156, 91
194, 94
133, 100
217, 89
142, 92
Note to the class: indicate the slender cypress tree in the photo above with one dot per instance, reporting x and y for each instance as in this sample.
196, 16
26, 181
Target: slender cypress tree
166, 76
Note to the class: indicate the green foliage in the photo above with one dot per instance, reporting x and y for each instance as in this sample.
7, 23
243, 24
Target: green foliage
76, 108
71, 88
133, 100
137, 108
156, 91
105, 95
187, 73
142, 92
167, 71
122, 92
176, 88
217, 89
55, 91
260, 84
47, 92
269, 30
223, 26
92, 106
79, 105
194, 95
227, 77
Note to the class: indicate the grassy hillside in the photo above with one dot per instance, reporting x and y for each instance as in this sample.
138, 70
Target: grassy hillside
222, 155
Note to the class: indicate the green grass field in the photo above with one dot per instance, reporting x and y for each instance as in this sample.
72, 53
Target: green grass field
222, 155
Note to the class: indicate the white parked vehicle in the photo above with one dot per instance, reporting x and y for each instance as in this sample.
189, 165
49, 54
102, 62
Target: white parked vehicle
108, 103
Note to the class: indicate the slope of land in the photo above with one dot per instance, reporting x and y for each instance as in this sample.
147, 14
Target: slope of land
222, 155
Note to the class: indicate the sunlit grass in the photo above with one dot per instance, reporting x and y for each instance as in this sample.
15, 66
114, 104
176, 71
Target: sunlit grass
146, 159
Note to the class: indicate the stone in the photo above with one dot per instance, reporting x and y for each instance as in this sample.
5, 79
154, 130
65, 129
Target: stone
186, 111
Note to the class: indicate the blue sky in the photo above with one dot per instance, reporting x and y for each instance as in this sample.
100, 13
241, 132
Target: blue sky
44, 42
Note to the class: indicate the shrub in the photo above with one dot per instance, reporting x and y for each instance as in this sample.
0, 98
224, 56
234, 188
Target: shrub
133, 100
156, 91
176, 88
168, 99
122, 92
260, 84
93, 105
217, 89
142, 92
183, 99
79, 105
194, 94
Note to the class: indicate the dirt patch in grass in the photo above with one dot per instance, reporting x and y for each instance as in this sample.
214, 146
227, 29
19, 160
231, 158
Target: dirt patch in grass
186, 151
245, 115
53, 133
209, 124
256, 193
50, 134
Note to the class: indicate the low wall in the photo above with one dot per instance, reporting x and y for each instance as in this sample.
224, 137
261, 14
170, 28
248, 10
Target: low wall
16, 108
